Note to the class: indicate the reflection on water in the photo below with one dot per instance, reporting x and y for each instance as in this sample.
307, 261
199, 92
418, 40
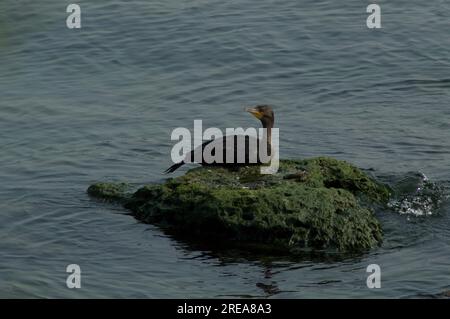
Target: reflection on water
99, 104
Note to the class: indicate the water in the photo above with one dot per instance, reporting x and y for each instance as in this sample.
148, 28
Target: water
99, 104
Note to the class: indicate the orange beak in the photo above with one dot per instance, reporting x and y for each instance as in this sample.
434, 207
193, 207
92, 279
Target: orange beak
254, 112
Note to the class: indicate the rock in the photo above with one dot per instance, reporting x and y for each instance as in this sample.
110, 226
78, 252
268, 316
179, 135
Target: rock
109, 191
313, 204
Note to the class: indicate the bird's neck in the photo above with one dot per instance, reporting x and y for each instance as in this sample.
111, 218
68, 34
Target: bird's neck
268, 136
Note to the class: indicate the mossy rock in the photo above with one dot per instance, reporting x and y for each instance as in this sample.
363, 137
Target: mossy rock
110, 191
319, 204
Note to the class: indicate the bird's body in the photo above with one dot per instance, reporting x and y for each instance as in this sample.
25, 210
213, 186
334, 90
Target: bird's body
234, 150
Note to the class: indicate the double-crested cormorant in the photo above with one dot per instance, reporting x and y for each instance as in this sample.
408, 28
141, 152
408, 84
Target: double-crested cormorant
239, 153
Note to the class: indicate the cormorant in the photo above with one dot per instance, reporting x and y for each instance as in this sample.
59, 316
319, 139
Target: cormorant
251, 147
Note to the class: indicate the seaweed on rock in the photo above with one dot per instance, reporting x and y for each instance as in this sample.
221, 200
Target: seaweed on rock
319, 203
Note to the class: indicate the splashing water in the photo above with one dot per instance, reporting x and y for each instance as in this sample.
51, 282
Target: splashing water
416, 195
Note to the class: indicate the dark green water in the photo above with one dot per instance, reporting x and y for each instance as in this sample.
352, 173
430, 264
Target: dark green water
99, 104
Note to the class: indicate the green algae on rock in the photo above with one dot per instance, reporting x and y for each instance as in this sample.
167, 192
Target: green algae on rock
109, 191
318, 203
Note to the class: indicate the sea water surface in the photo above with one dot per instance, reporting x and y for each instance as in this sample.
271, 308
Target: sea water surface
100, 103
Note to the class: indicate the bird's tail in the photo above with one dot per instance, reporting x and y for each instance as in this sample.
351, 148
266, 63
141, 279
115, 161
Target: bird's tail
174, 167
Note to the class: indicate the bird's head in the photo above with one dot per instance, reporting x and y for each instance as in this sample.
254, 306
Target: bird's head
264, 113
